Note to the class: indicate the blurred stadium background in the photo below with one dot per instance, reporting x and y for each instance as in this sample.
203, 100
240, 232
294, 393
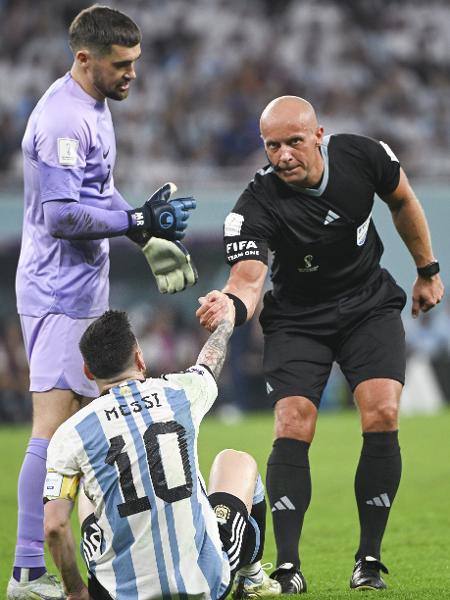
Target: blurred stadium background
378, 67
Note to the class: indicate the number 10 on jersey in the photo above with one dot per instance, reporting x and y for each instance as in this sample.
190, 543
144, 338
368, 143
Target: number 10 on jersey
158, 466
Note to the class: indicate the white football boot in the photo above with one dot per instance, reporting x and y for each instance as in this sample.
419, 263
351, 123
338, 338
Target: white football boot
46, 587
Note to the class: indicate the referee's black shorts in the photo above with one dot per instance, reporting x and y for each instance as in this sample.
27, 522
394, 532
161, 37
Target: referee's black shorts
363, 333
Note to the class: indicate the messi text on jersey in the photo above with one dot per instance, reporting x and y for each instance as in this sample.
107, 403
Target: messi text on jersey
124, 410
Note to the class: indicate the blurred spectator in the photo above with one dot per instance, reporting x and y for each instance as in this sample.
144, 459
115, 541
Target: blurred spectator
429, 339
15, 401
167, 342
377, 68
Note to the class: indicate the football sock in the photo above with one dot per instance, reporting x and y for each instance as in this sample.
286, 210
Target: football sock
376, 483
257, 520
256, 532
30, 526
253, 572
22, 574
288, 484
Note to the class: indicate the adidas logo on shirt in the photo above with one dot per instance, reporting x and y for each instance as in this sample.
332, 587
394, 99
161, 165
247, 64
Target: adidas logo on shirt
283, 504
331, 216
381, 500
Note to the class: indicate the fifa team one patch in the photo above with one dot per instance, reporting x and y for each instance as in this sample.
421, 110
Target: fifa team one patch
222, 513
67, 151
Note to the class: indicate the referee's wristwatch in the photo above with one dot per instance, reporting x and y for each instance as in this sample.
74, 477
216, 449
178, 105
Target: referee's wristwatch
429, 270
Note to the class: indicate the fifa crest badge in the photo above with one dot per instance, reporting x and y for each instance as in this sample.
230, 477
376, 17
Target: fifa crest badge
222, 513
308, 261
309, 267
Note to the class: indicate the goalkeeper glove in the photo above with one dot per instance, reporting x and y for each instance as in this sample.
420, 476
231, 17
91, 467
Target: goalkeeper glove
161, 216
171, 265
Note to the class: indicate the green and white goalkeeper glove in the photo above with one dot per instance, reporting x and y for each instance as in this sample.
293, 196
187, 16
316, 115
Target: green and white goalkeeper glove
171, 265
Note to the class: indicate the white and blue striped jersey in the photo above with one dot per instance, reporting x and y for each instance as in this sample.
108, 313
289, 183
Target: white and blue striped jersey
136, 448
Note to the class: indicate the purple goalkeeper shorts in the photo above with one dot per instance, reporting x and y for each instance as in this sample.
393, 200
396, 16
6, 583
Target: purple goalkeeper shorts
51, 344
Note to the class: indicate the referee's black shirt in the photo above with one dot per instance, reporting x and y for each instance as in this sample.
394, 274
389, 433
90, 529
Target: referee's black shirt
323, 239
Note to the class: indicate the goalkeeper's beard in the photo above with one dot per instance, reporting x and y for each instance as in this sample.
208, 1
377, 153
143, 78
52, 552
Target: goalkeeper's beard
114, 93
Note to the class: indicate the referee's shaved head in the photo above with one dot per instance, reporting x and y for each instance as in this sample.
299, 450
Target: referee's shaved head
289, 110
292, 139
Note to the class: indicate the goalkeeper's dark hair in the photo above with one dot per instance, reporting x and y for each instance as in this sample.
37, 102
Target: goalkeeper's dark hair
108, 345
99, 27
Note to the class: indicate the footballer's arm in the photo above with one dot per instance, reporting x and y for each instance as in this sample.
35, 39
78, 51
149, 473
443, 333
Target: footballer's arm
245, 284
59, 537
213, 353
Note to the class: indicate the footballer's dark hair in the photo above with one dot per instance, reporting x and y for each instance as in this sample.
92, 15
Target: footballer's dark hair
108, 345
99, 27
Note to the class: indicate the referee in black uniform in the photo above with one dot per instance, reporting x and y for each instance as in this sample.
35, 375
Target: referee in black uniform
331, 301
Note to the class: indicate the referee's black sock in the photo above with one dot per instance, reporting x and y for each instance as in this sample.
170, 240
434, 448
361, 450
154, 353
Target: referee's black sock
288, 483
376, 483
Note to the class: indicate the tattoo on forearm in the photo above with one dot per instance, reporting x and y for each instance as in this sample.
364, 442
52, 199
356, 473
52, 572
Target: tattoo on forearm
214, 351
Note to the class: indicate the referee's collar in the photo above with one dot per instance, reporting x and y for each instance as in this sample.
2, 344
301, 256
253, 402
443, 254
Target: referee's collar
326, 172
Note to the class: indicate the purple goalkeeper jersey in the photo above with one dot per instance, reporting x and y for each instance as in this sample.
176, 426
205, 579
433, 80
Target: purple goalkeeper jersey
69, 151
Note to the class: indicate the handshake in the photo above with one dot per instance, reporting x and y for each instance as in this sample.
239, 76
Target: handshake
157, 227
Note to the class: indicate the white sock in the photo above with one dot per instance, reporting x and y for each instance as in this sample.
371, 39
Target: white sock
253, 572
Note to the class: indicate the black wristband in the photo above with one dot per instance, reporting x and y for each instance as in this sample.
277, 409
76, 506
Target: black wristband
429, 270
240, 310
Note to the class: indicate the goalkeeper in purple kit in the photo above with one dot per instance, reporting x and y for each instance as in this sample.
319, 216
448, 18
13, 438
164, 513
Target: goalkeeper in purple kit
71, 209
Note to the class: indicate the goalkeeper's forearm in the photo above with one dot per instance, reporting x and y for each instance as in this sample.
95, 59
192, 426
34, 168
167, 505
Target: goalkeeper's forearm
71, 220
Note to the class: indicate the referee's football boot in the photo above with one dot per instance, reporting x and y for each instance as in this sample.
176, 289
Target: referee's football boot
290, 578
247, 587
366, 574
46, 587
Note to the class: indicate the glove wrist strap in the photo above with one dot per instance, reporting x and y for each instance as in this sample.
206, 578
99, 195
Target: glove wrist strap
136, 219
240, 310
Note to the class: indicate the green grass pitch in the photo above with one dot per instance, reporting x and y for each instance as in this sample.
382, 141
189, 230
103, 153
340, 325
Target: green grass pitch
417, 543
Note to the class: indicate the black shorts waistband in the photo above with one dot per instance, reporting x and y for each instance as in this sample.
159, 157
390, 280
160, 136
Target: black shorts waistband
283, 295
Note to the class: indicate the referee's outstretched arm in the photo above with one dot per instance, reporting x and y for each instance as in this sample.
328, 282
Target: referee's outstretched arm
244, 287
246, 282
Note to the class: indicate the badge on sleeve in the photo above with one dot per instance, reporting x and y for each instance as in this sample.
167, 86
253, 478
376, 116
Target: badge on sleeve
361, 232
233, 225
67, 151
60, 486
53, 485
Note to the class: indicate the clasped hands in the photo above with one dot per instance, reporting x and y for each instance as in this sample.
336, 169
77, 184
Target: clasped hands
214, 308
